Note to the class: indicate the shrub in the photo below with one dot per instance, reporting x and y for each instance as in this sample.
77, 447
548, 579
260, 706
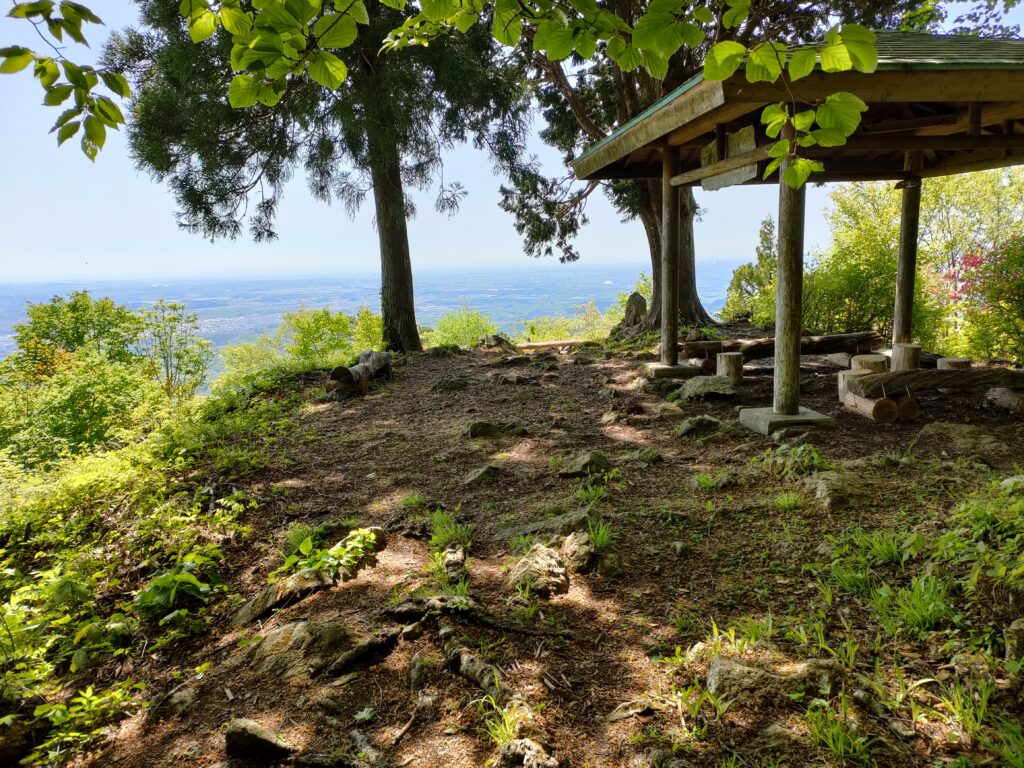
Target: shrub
463, 327
317, 338
587, 322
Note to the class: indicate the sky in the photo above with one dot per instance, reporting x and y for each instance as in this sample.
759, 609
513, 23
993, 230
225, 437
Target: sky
64, 218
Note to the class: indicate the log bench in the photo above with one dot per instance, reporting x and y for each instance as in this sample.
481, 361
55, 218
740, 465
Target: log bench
356, 379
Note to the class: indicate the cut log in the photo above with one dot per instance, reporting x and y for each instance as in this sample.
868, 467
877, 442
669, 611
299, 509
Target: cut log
909, 409
1012, 399
873, 363
371, 365
844, 377
905, 357
951, 364
706, 364
842, 359
551, 344
730, 365
882, 410
754, 349
877, 384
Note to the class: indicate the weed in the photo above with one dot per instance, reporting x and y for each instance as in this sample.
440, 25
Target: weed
446, 531
414, 501
790, 501
601, 534
854, 578
925, 605
590, 494
298, 533
522, 543
499, 723
792, 461
967, 706
834, 732
334, 561
756, 630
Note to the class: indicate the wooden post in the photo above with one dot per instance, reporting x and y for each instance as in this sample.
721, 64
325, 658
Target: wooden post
905, 357
730, 365
669, 257
952, 363
906, 268
789, 295
873, 363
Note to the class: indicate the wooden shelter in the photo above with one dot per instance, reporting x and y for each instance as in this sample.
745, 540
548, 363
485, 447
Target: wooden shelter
937, 105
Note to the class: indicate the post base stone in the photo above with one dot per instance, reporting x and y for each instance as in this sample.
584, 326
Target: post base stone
665, 371
766, 420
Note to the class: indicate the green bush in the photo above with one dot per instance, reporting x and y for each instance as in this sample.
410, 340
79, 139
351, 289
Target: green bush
988, 292
463, 327
317, 338
586, 322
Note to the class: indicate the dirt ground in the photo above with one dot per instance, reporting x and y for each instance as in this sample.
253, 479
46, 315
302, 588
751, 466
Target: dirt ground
689, 556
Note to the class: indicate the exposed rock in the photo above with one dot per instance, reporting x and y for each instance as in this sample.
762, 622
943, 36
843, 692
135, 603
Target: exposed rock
180, 700
787, 434
587, 463
609, 565
698, 426
484, 474
497, 341
524, 753
645, 385
747, 685
446, 350
254, 743
517, 379
643, 456
579, 551
961, 440
512, 361
450, 384
776, 738
560, 525
455, 563
1014, 486
629, 709
668, 411
541, 570
836, 489
706, 388
1013, 639
297, 649
660, 758
611, 417
582, 358
682, 549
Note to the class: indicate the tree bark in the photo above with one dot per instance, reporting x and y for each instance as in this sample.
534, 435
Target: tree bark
396, 289
691, 311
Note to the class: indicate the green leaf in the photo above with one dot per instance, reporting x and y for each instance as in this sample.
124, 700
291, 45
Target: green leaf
47, 71
829, 137
117, 83
738, 11
243, 91
306, 546
335, 31
57, 95
95, 131
13, 50
779, 149
835, 58
235, 20
774, 117
16, 63
507, 25
703, 15
772, 167
799, 170
586, 43
860, 45
554, 39
28, 10
202, 26
841, 111
357, 10
66, 115
765, 62
189, 7
723, 60
801, 62
436, 10
68, 7
67, 131
270, 95
803, 121
109, 110
328, 70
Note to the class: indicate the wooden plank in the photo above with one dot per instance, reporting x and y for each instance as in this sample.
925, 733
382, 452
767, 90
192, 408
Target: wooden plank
723, 166
876, 384
970, 166
991, 114
652, 126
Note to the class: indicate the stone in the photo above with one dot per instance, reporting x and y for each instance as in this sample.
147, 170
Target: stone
446, 350
477, 429
611, 417
497, 341
578, 551
707, 388
1013, 639
484, 474
255, 743
1013, 486
560, 525
643, 456
609, 565
629, 709
698, 426
524, 752
766, 421
836, 489
748, 686
511, 361
587, 463
288, 590
776, 738
668, 411
180, 700
636, 310
297, 649
582, 358
517, 379
542, 570
961, 440
450, 384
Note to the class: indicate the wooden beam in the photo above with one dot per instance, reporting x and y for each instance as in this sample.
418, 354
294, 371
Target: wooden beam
789, 295
722, 166
689, 103
906, 266
877, 384
684, 133
755, 349
990, 115
669, 258
970, 166
974, 119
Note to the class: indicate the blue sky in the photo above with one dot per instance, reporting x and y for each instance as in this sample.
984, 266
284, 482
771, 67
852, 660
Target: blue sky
64, 218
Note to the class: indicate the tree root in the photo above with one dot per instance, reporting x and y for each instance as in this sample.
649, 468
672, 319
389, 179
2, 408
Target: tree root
526, 753
367, 653
464, 663
416, 609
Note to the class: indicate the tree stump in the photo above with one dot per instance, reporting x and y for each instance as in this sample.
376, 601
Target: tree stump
844, 380
909, 409
730, 365
905, 357
873, 363
1012, 399
956, 364
883, 410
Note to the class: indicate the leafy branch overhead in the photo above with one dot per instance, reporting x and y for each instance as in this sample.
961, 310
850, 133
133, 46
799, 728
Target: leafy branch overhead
275, 41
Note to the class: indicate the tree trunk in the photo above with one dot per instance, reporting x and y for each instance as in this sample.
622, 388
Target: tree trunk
691, 311
396, 293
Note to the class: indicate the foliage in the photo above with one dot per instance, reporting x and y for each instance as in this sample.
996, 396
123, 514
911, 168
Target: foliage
601, 534
753, 284
587, 322
367, 330
171, 339
445, 531
317, 338
834, 732
462, 327
83, 720
333, 561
